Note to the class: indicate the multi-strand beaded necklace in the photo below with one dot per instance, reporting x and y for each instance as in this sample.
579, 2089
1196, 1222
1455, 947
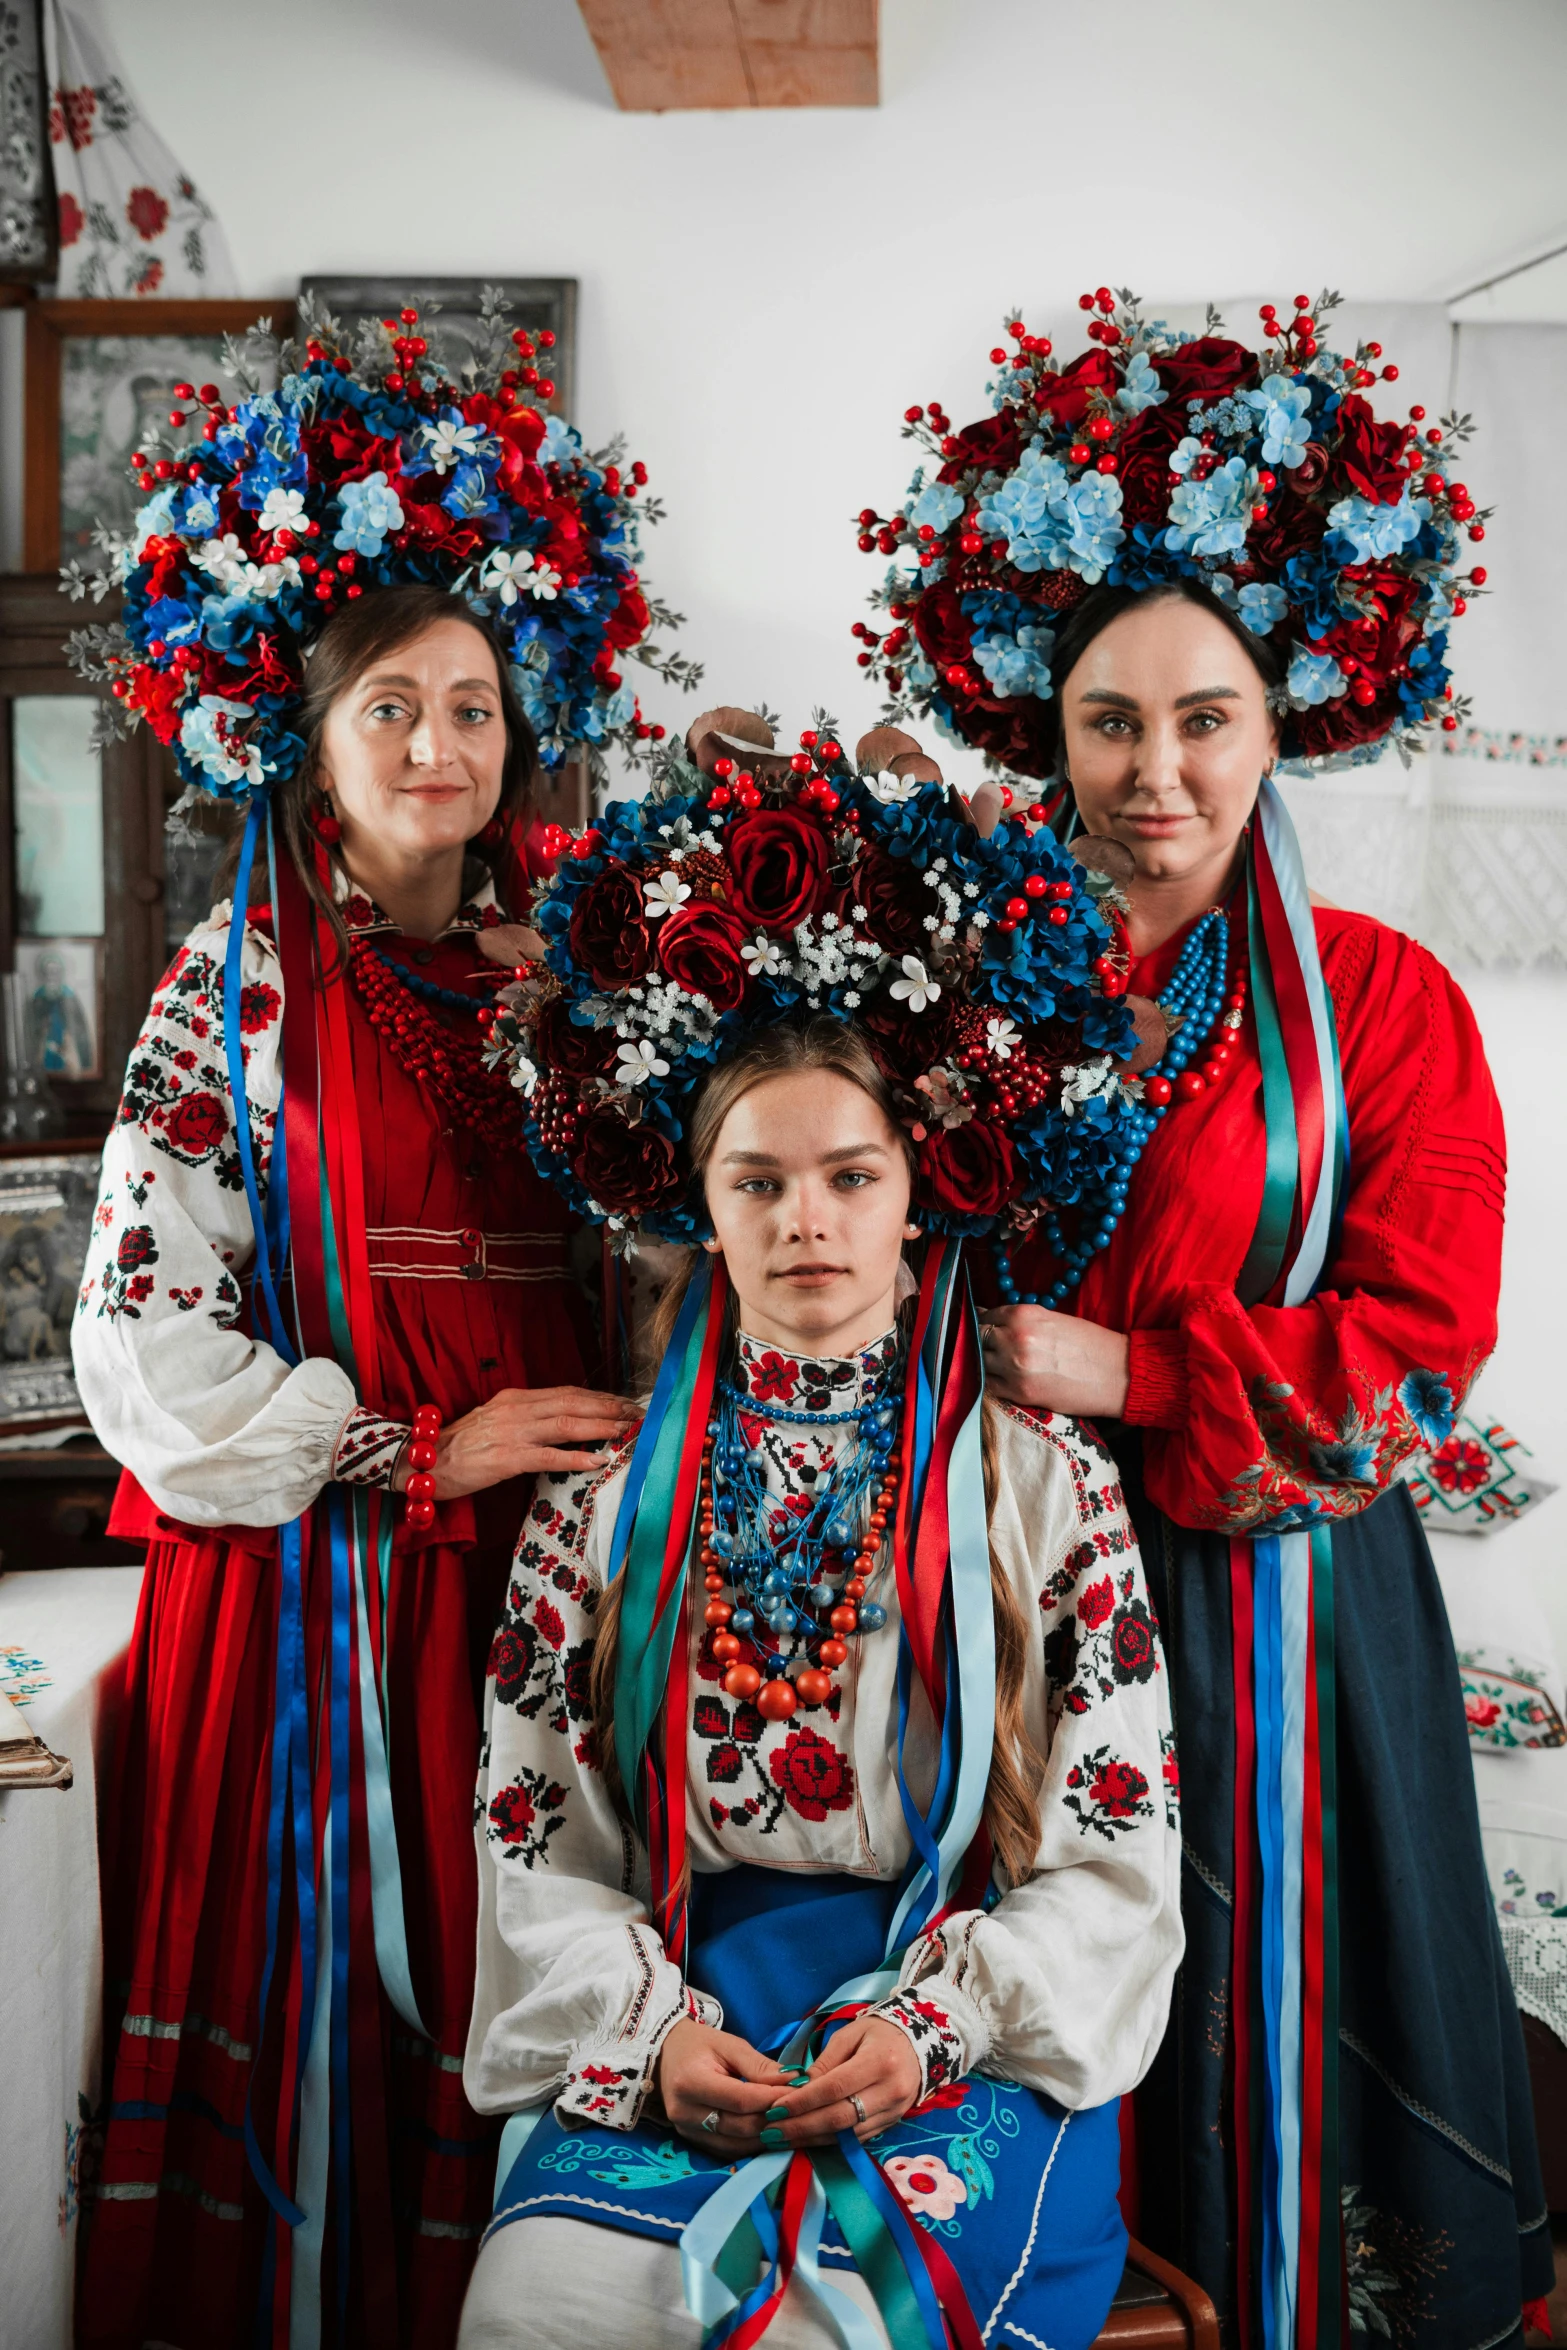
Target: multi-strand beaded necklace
797, 1593
1205, 1016
400, 1007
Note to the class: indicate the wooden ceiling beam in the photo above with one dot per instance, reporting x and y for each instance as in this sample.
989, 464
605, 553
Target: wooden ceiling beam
665, 54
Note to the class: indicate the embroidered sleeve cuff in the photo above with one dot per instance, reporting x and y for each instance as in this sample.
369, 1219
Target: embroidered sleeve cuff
1156, 1394
367, 1448
948, 2034
609, 2082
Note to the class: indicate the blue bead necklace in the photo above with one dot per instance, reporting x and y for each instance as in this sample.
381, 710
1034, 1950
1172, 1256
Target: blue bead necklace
1197, 998
796, 1598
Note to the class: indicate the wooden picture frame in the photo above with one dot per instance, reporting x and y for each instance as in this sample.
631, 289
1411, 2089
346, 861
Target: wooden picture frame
47, 1195
51, 327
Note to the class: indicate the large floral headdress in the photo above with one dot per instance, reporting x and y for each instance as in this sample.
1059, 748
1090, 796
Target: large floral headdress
753, 886
1157, 456
369, 468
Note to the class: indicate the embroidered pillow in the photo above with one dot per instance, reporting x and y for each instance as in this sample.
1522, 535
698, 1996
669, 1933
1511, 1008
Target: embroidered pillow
1478, 1480
1509, 1700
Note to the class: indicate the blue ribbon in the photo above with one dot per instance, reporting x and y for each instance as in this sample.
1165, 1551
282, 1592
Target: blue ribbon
691, 1305
234, 1055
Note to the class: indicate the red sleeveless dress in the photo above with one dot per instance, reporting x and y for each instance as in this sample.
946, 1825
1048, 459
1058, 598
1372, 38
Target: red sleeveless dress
473, 1293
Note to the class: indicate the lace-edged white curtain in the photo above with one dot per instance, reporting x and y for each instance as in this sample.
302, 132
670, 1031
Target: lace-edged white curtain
1467, 847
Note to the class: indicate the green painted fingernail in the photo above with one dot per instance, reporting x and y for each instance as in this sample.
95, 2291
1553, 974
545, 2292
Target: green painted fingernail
776, 2113
772, 2138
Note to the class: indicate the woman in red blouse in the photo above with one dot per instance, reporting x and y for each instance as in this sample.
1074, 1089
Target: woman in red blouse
1229, 1418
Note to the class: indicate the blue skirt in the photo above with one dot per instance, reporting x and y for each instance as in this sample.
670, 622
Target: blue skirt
1020, 2193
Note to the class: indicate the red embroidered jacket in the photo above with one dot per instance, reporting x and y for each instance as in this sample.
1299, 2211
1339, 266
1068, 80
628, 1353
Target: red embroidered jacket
1276, 1413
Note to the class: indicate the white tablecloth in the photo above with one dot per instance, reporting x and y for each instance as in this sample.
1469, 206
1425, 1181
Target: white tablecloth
63, 1638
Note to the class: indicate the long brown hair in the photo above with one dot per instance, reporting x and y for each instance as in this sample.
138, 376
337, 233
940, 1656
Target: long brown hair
353, 641
1017, 1767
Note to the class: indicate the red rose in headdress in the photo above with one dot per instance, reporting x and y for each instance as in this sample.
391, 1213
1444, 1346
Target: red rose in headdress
1376, 641
608, 934
1146, 449
1293, 525
966, 1170
699, 947
629, 620
993, 444
1370, 454
892, 891
1340, 725
1067, 395
778, 861
1016, 731
942, 626
628, 1169
1205, 370
562, 1043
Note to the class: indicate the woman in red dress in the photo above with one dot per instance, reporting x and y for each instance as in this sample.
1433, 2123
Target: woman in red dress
416, 753
1232, 1420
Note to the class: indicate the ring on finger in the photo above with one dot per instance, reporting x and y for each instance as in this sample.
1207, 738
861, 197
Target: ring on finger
709, 2122
858, 2104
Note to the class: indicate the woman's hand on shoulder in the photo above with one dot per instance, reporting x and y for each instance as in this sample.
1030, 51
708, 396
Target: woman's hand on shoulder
1056, 1362
869, 2059
701, 2072
523, 1430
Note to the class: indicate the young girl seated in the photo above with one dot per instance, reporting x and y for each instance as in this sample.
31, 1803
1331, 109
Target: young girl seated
828, 1848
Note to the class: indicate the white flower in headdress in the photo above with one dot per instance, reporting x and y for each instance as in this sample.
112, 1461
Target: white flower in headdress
666, 893
285, 510
763, 958
916, 988
1002, 1038
223, 559
636, 1062
892, 790
514, 574
524, 1076
449, 442
1081, 1085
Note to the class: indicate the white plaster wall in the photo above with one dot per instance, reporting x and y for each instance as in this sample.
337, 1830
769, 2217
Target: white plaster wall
763, 294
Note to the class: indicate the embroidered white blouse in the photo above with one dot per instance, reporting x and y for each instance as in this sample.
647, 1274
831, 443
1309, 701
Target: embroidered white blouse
1063, 1986
213, 1423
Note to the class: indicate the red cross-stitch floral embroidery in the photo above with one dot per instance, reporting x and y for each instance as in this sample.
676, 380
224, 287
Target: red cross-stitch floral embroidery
1107, 1794
526, 1814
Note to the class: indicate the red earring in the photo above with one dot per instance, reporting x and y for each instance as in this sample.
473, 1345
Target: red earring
324, 824
493, 833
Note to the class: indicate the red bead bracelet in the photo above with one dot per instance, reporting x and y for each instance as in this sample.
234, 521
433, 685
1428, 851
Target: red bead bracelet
419, 1492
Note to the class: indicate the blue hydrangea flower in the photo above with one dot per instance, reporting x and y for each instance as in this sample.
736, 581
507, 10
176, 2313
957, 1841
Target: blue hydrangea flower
198, 510
469, 495
1314, 677
1376, 531
1312, 583
1142, 560
1262, 607
1210, 517
560, 443
370, 509
939, 506
154, 519
1017, 664
1428, 1399
1093, 514
1284, 412
1185, 454
1142, 388
622, 702
1024, 512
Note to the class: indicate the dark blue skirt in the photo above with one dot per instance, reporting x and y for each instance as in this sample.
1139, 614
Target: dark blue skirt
1444, 2223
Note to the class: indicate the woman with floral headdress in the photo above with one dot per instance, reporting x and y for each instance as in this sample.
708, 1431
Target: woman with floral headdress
1148, 575
329, 1326
825, 1911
